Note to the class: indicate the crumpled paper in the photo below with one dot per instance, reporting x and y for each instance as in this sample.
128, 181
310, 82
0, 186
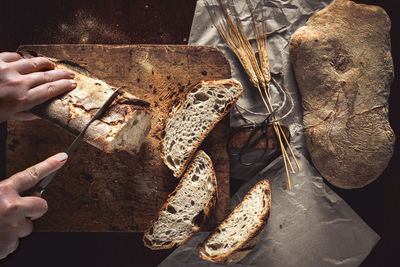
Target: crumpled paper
310, 225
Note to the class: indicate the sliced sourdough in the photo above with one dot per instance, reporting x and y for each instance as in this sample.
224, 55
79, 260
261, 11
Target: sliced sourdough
187, 206
189, 123
233, 239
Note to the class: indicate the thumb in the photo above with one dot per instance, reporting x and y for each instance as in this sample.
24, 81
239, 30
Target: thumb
22, 181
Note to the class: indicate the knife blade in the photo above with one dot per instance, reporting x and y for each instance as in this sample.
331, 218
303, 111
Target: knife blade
38, 189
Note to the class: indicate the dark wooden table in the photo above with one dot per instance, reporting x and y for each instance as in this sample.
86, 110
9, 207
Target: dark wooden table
164, 22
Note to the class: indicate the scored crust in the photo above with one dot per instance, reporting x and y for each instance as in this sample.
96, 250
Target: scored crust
206, 211
179, 108
251, 240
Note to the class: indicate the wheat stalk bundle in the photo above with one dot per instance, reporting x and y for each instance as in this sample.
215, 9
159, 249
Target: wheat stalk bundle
256, 66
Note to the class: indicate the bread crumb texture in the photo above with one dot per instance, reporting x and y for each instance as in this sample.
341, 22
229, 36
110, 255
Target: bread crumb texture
187, 207
189, 124
234, 235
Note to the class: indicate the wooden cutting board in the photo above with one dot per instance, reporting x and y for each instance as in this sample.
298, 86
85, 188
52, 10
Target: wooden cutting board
96, 191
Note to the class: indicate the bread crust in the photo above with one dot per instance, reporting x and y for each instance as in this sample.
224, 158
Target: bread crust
344, 70
74, 109
228, 107
245, 247
207, 210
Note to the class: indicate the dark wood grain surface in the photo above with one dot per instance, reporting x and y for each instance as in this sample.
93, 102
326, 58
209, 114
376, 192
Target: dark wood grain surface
168, 22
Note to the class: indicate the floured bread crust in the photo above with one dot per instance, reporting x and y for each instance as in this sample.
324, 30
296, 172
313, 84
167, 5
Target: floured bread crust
344, 70
123, 127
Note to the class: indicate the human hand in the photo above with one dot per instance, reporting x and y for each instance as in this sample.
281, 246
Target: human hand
17, 211
25, 83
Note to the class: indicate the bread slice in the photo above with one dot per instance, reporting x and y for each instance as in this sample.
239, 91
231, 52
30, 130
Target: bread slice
233, 239
187, 207
189, 123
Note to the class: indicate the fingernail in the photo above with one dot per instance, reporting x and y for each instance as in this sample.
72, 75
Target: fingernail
61, 157
72, 73
73, 83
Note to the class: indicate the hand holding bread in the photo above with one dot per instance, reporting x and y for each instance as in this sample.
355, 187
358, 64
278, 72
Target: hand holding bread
26, 83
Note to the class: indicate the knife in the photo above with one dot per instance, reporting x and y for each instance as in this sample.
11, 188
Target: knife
38, 189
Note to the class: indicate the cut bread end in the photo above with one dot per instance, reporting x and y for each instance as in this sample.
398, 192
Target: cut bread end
187, 207
189, 124
131, 135
234, 238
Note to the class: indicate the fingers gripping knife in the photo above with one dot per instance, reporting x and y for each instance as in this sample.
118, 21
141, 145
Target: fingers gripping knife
39, 188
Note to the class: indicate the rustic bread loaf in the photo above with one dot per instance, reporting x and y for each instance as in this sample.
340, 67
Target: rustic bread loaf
187, 206
233, 239
344, 70
123, 127
189, 123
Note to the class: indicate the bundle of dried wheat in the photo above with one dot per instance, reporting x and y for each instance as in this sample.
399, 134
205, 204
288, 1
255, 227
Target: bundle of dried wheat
256, 64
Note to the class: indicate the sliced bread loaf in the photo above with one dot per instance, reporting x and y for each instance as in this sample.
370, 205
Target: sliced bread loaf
122, 128
233, 239
189, 123
187, 206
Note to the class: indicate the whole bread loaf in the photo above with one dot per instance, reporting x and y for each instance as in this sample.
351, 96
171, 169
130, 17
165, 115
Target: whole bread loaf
344, 70
234, 238
190, 122
123, 127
